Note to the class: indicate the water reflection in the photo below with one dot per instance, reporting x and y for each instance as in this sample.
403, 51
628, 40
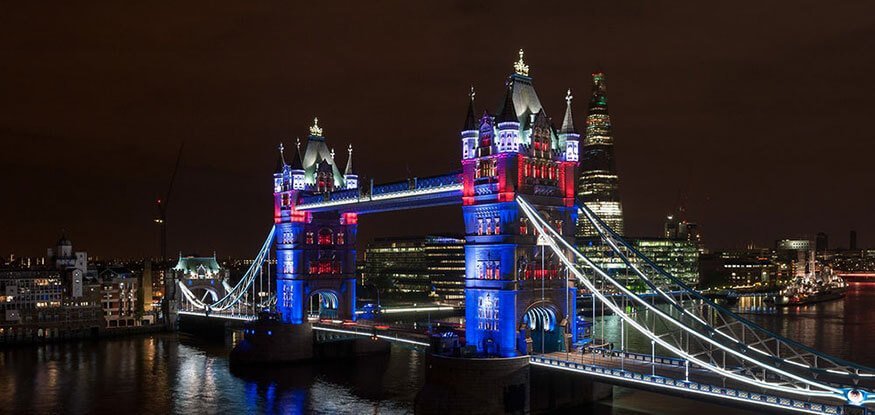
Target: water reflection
184, 375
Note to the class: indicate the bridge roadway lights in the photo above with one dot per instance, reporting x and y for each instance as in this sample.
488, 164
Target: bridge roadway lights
461, 385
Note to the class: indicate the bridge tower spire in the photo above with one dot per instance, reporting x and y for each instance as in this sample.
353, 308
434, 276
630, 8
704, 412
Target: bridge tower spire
469, 131
517, 298
568, 135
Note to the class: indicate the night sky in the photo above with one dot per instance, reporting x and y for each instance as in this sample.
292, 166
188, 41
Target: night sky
760, 112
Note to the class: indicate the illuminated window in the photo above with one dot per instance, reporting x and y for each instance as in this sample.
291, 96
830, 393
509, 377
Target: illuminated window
497, 228
479, 226
310, 238
325, 236
340, 240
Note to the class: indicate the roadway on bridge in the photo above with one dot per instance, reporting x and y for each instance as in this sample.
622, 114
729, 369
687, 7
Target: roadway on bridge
672, 371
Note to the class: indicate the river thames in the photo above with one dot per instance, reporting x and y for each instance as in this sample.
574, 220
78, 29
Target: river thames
170, 373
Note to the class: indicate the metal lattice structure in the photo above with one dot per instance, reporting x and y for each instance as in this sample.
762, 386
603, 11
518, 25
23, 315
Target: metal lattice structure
243, 298
689, 326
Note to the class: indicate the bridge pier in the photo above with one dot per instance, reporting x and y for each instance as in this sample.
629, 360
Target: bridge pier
502, 385
554, 390
269, 341
474, 386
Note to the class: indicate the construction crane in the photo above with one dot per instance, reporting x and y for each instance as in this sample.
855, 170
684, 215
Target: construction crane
161, 220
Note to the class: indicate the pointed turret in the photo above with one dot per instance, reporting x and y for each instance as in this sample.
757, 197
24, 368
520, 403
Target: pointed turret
507, 113
296, 169
508, 123
280, 177
470, 130
350, 178
281, 160
471, 118
348, 170
568, 121
296, 159
569, 139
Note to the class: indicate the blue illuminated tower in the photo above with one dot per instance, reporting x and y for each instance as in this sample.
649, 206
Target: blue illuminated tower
517, 296
315, 252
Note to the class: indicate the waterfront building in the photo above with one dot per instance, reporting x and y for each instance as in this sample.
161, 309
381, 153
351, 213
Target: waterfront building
40, 303
598, 185
119, 295
737, 269
679, 257
794, 258
417, 268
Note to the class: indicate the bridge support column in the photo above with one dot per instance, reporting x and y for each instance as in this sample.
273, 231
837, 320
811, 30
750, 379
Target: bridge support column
474, 386
269, 341
554, 390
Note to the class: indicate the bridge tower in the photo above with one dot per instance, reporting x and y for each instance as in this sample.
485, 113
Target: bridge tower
315, 251
518, 299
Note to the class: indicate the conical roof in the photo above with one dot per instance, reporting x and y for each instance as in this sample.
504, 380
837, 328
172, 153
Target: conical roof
348, 170
508, 113
280, 161
470, 118
568, 121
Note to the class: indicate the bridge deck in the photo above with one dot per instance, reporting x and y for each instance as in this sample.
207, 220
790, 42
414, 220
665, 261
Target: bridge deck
378, 331
671, 376
407, 194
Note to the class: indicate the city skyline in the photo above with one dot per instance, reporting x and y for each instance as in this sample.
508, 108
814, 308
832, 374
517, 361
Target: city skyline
91, 120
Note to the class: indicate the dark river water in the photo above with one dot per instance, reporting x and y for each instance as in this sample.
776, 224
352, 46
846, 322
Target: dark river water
170, 373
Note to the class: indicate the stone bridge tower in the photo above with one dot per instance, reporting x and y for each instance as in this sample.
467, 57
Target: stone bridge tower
315, 252
517, 297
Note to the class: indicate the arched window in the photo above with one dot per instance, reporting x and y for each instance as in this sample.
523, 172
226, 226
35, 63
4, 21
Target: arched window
325, 236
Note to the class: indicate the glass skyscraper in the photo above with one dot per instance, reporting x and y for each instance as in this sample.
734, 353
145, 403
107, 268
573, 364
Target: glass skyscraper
599, 185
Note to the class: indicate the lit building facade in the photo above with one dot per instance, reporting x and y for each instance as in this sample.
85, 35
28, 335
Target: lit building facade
516, 296
315, 252
679, 257
49, 302
737, 269
598, 186
119, 297
430, 267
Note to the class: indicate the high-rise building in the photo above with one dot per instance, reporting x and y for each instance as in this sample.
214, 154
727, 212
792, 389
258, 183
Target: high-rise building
599, 184
417, 268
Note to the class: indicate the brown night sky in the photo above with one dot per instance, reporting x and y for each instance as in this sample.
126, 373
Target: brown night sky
760, 111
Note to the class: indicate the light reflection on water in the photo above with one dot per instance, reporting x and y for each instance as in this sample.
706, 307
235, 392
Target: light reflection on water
167, 373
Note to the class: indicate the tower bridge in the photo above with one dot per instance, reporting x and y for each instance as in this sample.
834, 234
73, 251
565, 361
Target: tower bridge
517, 190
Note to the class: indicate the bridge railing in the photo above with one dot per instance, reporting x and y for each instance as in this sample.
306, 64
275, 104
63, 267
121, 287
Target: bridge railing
734, 332
690, 386
688, 339
403, 187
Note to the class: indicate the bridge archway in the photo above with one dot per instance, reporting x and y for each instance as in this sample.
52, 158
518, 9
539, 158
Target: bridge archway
205, 293
543, 328
322, 304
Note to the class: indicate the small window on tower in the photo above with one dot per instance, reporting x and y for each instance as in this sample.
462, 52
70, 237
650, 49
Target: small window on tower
325, 236
310, 238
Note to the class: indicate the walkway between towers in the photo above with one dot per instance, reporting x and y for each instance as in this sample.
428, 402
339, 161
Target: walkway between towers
413, 193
